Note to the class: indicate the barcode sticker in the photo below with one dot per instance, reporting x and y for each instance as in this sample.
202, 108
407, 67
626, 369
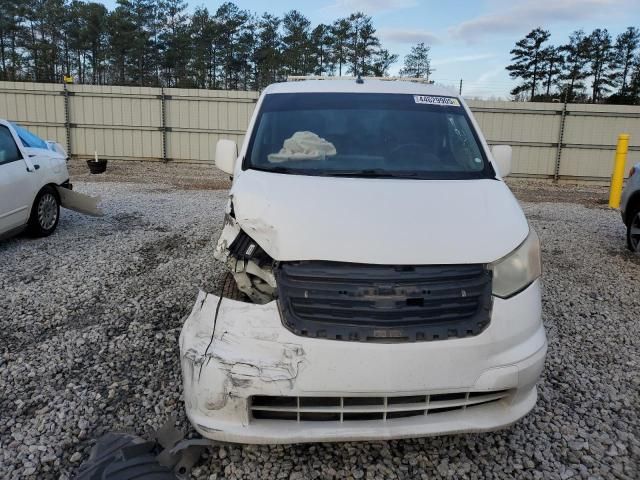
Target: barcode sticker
433, 100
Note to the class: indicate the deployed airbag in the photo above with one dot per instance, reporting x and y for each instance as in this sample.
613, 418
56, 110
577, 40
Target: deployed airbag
303, 146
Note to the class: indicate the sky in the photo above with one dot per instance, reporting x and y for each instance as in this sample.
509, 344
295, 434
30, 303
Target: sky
469, 39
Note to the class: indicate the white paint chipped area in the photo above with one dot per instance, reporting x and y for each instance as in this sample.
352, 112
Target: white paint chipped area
90, 320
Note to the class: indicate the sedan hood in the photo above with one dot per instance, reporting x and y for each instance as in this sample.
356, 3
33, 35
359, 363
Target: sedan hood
378, 221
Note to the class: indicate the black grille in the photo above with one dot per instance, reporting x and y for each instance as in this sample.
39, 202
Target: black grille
384, 303
343, 409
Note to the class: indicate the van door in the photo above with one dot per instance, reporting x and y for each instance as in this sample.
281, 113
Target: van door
16, 184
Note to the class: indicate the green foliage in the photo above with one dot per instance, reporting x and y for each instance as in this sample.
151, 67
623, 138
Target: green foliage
587, 68
627, 44
528, 61
157, 43
417, 63
574, 66
602, 63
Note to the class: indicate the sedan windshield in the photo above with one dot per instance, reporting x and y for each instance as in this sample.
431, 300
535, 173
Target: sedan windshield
362, 134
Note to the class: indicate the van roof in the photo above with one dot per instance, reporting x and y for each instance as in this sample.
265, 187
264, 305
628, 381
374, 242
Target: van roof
368, 86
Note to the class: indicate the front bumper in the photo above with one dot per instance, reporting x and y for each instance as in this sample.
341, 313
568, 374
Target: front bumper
248, 352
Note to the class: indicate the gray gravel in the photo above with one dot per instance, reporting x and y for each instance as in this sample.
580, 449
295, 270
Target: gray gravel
90, 319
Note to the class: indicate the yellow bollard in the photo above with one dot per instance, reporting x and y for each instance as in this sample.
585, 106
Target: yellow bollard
618, 170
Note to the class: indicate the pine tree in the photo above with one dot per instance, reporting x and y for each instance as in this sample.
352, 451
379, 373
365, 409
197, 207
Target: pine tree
295, 43
552, 61
158, 43
205, 32
602, 58
95, 17
232, 22
143, 63
121, 33
174, 43
267, 55
626, 45
362, 44
320, 44
634, 82
417, 63
574, 66
340, 33
382, 61
11, 29
528, 59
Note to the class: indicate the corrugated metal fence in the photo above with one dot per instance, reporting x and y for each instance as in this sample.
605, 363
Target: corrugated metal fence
549, 140
130, 123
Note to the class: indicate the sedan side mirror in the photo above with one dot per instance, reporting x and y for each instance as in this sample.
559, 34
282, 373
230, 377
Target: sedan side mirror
226, 155
502, 158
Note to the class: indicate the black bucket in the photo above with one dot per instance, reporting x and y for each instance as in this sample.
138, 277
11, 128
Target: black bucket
99, 166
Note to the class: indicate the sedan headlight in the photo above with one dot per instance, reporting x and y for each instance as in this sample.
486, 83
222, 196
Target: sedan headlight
519, 269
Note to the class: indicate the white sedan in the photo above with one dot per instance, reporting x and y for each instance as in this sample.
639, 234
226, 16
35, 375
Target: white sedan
34, 183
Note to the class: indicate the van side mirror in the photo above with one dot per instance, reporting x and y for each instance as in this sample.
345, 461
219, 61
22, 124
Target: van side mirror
226, 155
502, 158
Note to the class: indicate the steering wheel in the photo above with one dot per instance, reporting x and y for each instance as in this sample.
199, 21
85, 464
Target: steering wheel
404, 146
416, 153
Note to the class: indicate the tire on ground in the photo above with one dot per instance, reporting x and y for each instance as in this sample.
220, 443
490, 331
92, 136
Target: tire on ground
230, 288
40, 220
634, 213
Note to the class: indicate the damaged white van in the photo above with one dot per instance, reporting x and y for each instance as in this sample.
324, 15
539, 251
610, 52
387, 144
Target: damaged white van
385, 282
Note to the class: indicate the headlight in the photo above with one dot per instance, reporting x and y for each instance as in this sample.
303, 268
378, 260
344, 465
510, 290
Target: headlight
519, 269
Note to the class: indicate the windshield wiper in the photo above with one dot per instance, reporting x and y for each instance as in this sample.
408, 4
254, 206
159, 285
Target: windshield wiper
279, 170
369, 173
364, 173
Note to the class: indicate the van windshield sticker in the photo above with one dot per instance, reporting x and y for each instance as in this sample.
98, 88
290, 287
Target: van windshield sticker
432, 100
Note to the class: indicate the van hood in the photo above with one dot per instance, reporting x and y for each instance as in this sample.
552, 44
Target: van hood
378, 221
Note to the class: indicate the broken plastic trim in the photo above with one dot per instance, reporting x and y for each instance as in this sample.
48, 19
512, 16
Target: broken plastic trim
251, 267
79, 202
166, 455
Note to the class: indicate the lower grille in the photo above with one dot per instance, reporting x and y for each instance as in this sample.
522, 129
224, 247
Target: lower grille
345, 409
384, 303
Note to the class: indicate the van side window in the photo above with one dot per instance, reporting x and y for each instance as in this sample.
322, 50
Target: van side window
8, 149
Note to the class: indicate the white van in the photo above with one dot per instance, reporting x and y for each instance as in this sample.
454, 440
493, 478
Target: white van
384, 282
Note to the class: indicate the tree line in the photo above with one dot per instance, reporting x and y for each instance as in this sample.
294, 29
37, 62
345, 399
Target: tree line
157, 43
588, 68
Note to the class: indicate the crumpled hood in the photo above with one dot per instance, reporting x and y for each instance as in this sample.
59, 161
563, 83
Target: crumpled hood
380, 221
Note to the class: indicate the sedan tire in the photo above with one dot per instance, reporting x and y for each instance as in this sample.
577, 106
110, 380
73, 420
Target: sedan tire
45, 212
633, 230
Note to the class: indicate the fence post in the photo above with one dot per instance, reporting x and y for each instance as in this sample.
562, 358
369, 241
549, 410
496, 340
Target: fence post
67, 119
164, 124
563, 118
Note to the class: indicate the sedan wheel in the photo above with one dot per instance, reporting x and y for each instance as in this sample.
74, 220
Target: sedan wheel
633, 233
47, 211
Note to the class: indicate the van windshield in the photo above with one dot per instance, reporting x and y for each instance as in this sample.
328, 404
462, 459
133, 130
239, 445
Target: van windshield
362, 134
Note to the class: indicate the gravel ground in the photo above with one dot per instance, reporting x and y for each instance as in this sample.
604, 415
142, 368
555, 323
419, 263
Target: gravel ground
91, 316
187, 176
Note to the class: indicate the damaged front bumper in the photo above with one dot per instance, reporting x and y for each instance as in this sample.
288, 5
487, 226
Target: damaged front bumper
249, 379
77, 201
